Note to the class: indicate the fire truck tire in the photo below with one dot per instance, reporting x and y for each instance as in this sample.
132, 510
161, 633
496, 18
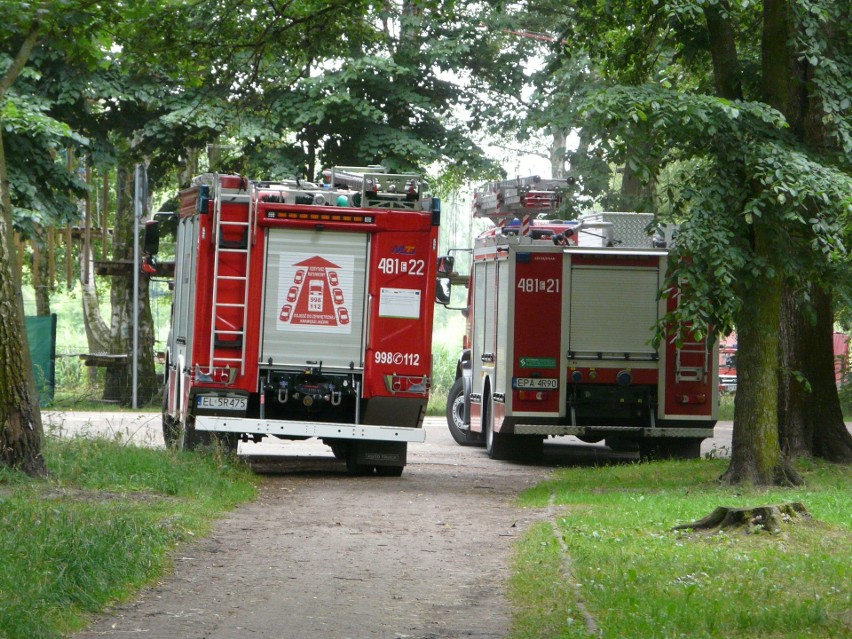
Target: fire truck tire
171, 431
339, 448
670, 448
228, 442
621, 445
353, 468
192, 439
455, 417
497, 445
528, 448
389, 471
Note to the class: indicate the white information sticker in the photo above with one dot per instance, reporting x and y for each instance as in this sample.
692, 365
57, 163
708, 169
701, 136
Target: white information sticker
399, 302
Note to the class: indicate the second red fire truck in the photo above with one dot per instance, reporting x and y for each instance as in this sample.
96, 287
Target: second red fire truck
304, 310
561, 318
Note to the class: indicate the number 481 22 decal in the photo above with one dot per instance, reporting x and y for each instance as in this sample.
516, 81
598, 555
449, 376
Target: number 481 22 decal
397, 266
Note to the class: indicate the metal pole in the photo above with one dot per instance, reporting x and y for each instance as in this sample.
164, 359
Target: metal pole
138, 211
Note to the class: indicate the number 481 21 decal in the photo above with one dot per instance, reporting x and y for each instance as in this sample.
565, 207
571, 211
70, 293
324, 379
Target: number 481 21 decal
539, 285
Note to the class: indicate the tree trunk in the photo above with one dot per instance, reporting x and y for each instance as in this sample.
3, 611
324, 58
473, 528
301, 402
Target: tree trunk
811, 422
795, 423
97, 331
723, 51
41, 272
831, 439
756, 453
20, 417
118, 381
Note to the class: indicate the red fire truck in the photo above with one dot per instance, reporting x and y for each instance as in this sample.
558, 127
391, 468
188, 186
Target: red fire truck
561, 319
304, 310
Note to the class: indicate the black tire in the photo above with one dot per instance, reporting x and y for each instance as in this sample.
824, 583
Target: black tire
389, 471
192, 439
620, 445
670, 448
528, 448
339, 447
455, 417
228, 442
497, 445
353, 468
171, 429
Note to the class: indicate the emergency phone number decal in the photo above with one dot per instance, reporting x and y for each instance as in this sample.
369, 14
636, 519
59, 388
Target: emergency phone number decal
539, 285
387, 357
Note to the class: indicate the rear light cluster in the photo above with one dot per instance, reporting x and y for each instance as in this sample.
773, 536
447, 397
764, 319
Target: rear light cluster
417, 384
215, 375
699, 398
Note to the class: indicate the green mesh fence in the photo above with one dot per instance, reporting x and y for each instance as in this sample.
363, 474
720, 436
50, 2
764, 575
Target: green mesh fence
41, 335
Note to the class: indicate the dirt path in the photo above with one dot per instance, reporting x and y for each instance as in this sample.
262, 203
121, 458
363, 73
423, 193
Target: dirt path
324, 555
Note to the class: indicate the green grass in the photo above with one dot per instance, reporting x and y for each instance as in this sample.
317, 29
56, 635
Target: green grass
102, 526
638, 578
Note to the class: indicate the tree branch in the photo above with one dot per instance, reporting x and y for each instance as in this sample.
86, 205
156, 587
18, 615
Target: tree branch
20, 60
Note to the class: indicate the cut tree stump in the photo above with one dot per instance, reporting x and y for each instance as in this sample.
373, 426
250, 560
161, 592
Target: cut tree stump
768, 518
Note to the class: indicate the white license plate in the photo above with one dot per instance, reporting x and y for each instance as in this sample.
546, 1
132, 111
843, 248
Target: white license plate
537, 383
215, 402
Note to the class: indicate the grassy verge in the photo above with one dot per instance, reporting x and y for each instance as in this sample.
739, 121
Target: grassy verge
638, 578
102, 526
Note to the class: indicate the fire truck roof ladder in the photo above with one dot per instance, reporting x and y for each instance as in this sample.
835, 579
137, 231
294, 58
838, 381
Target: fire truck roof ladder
522, 198
235, 334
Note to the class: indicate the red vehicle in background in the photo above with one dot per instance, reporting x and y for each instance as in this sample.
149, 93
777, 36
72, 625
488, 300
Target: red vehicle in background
561, 320
728, 361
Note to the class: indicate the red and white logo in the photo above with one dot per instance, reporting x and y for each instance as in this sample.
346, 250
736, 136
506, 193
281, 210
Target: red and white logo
315, 293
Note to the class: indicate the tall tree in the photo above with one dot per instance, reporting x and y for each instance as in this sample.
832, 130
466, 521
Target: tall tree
703, 94
20, 417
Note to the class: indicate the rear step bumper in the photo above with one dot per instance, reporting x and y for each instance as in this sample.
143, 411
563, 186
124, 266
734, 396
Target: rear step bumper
322, 430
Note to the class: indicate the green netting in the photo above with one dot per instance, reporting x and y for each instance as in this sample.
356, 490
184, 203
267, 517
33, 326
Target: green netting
41, 335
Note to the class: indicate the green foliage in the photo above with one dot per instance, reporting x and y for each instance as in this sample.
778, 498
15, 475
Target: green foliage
102, 527
637, 577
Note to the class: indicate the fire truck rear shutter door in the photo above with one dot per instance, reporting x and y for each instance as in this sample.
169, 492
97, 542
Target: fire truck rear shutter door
612, 309
314, 297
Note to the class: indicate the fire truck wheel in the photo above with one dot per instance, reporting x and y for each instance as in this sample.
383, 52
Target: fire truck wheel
340, 449
670, 448
228, 442
528, 448
171, 431
192, 439
497, 445
389, 471
353, 468
621, 445
455, 417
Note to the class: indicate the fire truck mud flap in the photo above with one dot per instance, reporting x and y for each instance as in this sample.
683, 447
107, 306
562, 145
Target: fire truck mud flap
322, 430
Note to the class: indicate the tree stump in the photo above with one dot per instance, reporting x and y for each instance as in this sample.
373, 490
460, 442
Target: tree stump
767, 518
